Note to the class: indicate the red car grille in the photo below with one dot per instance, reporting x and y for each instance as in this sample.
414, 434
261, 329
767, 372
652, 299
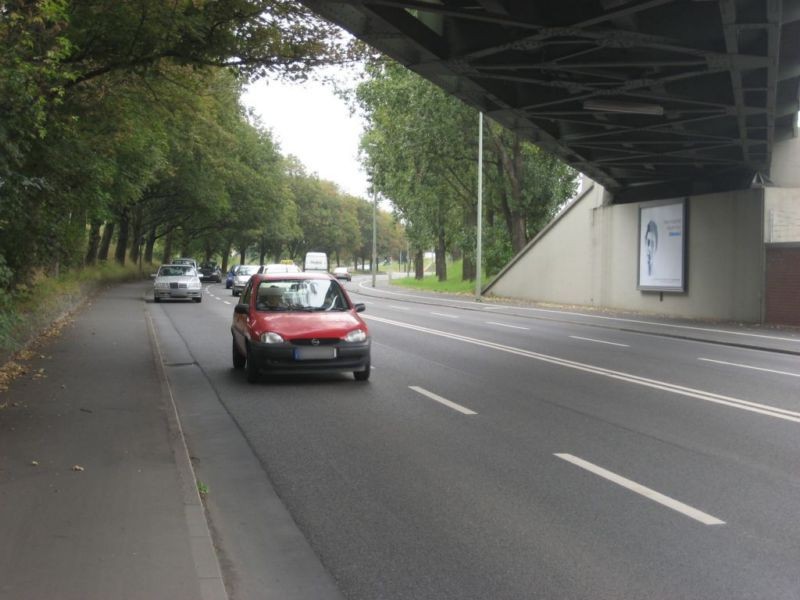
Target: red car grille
320, 342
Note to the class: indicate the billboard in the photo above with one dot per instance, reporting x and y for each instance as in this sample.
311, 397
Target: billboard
662, 246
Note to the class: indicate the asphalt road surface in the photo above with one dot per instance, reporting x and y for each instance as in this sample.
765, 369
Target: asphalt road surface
496, 454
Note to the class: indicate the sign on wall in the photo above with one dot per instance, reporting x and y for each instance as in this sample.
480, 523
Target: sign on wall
662, 247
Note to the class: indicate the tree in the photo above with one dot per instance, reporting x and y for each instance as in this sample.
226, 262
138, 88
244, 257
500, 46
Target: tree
419, 144
422, 146
94, 128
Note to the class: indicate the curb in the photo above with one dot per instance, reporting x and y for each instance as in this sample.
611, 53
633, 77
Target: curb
204, 556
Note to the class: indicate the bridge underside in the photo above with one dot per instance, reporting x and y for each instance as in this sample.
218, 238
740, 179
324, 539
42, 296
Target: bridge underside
650, 98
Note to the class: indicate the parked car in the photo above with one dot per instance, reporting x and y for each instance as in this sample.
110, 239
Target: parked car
279, 268
184, 261
242, 276
210, 271
229, 277
299, 322
177, 281
342, 273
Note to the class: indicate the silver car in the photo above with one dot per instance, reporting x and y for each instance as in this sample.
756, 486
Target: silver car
242, 276
177, 281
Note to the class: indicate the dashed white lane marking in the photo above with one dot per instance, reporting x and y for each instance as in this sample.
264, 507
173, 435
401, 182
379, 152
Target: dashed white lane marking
440, 400
507, 325
226, 302
722, 362
445, 315
577, 337
685, 509
756, 407
399, 307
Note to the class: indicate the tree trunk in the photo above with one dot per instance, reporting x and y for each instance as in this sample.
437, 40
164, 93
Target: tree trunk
105, 242
468, 271
93, 242
226, 253
137, 237
166, 258
149, 244
519, 236
243, 255
122, 238
510, 168
419, 265
441, 251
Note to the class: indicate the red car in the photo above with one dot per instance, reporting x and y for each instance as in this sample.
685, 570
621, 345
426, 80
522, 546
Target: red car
293, 322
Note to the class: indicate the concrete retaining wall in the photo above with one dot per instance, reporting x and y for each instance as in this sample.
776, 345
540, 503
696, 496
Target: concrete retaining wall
589, 256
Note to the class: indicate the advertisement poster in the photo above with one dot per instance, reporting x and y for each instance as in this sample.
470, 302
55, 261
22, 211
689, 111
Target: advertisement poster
662, 247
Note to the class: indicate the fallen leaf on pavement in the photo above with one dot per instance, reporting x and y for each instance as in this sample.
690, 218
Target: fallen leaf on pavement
34, 463
77, 468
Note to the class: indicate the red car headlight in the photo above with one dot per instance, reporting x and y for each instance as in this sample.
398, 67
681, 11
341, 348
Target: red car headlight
357, 335
270, 337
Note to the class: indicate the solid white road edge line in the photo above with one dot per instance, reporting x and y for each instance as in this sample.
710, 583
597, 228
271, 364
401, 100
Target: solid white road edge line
685, 509
577, 337
507, 325
764, 409
589, 316
722, 362
441, 400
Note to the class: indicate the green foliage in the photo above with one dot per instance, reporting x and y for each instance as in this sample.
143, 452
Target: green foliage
422, 145
497, 249
128, 113
27, 309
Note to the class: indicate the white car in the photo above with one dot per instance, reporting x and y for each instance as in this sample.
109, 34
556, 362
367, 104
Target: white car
278, 268
177, 281
342, 273
242, 276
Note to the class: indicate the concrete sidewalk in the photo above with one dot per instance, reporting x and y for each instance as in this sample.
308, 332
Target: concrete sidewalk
97, 495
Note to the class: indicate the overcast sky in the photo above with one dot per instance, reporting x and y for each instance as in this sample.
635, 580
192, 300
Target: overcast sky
310, 122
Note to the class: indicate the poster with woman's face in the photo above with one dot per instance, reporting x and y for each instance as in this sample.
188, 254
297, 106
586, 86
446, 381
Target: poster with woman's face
662, 238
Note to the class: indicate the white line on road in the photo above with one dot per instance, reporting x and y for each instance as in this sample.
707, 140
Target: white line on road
507, 325
226, 302
577, 337
764, 409
441, 400
689, 511
445, 315
621, 319
399, 307
722, 362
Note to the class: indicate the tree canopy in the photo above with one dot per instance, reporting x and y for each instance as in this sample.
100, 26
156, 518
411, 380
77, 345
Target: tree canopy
122, 131
422, 147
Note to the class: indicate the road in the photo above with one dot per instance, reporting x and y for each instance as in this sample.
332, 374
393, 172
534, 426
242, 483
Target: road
498, 453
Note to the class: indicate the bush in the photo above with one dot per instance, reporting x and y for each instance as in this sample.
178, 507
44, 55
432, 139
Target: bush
28, 309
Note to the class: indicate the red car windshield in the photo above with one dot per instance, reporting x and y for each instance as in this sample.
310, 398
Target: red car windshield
300, 294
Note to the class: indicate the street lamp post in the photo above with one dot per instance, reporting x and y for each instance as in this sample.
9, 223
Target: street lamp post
479, 257
374, 231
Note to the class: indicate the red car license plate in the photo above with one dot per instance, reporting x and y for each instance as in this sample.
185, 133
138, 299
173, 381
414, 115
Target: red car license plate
315, 353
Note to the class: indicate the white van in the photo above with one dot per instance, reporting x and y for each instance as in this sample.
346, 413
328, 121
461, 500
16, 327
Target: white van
316, 261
